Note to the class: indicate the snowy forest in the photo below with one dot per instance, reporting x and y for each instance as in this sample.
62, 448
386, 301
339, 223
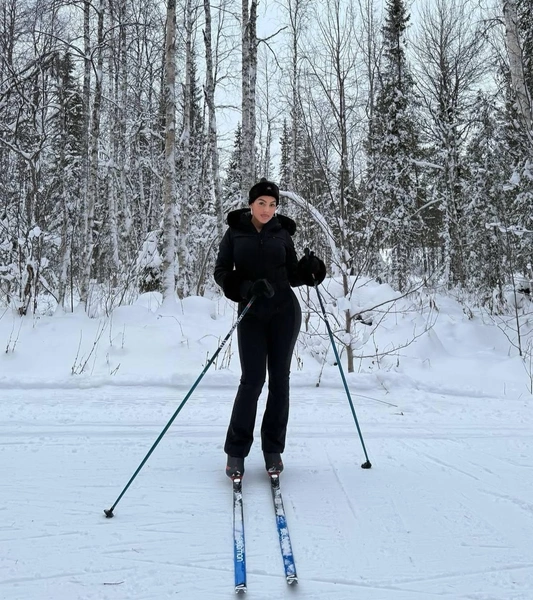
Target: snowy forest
401, 134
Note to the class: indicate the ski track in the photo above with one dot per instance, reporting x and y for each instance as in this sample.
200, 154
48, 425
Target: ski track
445, 512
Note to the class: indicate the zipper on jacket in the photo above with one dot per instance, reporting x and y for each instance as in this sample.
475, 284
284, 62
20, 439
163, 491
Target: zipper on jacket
261, 240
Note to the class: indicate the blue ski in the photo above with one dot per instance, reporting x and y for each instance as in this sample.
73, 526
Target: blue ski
283, 531
239, 551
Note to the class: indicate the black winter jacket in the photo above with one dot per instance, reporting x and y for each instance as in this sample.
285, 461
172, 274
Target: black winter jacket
246, 255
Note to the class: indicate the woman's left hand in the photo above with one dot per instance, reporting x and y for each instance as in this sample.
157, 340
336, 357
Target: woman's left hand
311, 269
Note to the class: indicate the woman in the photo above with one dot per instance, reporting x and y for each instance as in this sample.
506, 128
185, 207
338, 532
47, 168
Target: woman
257, 258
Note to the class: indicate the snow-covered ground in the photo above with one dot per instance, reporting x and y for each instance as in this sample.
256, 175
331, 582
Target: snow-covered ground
445, 512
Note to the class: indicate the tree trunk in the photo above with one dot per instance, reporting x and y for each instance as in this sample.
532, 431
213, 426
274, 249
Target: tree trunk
183, 210
212, 126
169, 176
92, 184
249, 76
516, 66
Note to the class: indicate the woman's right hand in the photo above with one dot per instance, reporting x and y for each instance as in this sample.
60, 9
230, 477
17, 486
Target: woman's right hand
261, 287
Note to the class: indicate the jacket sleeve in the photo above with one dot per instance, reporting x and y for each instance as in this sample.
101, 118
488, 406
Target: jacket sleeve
225, 275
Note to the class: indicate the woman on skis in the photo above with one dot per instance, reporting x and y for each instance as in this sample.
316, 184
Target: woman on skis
257, 258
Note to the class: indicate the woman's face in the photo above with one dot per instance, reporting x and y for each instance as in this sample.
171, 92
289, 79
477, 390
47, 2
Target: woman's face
263, 209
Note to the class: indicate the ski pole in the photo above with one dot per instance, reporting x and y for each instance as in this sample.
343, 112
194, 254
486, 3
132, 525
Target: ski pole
367, 464
109, 511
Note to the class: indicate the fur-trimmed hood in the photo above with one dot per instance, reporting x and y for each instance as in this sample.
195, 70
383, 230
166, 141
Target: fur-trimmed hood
242, 219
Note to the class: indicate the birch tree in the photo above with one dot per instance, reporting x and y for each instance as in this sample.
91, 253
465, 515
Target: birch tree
518, 68
183, 206
212, 136
298, 15
332, 105
89, 233
118, 85
248, 101
519, 64
169, 175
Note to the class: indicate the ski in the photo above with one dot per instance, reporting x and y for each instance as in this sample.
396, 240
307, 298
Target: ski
239, 552
283, 531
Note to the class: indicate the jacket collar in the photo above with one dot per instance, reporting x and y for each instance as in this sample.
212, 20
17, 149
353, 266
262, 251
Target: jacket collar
242, 219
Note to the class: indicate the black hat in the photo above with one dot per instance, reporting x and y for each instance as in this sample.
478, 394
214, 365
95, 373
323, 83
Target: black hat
263, 188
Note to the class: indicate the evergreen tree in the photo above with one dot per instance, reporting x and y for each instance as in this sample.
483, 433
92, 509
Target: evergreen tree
485, 209
65, 170
393, 138
233, 180
195, 220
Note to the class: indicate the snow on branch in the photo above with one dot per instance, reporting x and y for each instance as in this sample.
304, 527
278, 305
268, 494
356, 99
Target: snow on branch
319, 219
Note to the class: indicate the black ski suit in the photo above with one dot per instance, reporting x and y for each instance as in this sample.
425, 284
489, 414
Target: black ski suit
267, 334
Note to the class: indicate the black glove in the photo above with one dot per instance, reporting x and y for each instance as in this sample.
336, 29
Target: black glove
261, 287
311, 269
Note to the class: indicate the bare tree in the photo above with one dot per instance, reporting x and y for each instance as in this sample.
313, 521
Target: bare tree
451, 64
298, 17
332, 120
371, 56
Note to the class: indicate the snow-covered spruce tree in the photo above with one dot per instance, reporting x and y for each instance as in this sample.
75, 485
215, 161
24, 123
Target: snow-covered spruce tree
233, 181
191, 171
66, 173
149, 266
486, 203
394, 147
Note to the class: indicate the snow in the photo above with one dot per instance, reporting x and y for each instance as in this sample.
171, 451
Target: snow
445, 512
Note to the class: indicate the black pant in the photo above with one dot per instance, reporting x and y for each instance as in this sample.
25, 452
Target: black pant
266, 336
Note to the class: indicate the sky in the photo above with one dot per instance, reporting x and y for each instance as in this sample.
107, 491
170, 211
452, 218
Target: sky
445, 512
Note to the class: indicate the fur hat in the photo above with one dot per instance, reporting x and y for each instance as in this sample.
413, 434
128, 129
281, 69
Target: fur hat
263, 188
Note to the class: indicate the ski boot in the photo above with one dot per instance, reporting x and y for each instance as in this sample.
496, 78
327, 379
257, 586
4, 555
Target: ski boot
235, 467
273, 463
